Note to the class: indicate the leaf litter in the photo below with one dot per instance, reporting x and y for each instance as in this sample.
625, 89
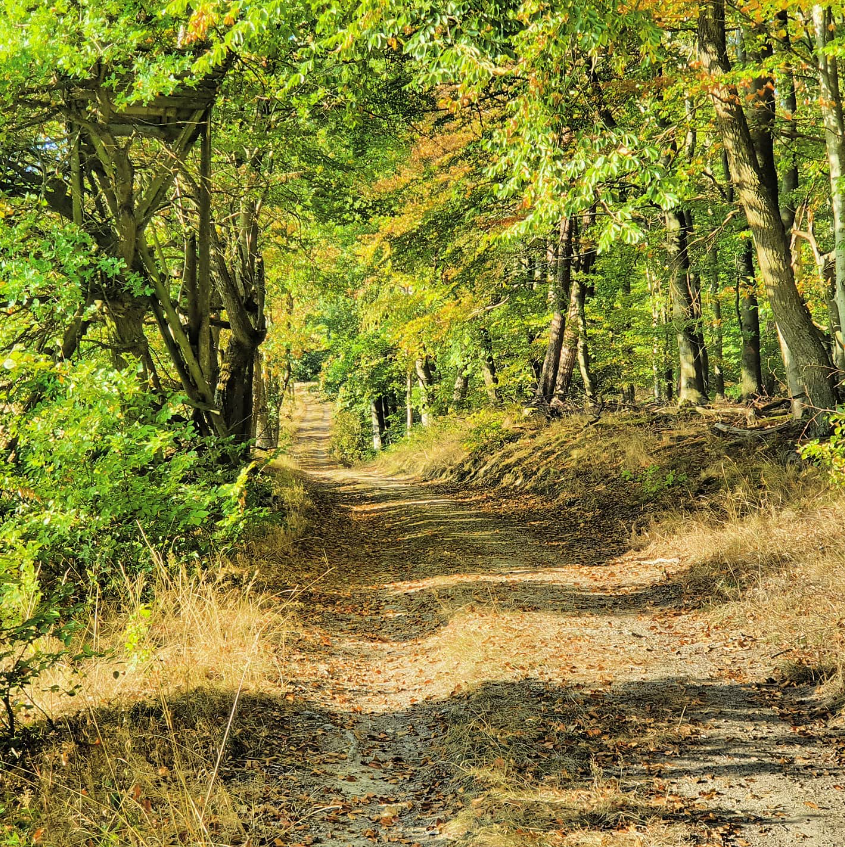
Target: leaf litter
455, 677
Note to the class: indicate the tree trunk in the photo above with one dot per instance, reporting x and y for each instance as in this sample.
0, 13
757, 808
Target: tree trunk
691, 390
789, 182
657, 332
794, 386
584, 352
205, 340
748, 317
383, 412
262, 430
424, 379
488, 368
235, 388
835, 325
761, 209
559, 297
128, 320
377, 426
459, 392
718, 330
569, 347
694, 284
409, 404
629, 391
830, 104
718, 351
702, 354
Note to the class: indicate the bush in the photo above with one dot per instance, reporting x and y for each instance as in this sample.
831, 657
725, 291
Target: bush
488, 431
350, 438
830, 454
99, 480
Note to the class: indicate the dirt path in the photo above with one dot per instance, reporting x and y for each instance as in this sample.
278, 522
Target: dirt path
455, 680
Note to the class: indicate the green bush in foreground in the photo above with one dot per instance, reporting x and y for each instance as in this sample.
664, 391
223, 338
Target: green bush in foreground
98, 479
830, 454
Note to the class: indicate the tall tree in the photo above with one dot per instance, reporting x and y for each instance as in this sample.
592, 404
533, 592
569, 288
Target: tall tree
753, 182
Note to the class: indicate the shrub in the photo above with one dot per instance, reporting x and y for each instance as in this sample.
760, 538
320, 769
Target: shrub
100, 479
350, 441
830, 454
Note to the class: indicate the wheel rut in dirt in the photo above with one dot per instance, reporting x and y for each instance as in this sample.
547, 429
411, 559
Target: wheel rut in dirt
451, 679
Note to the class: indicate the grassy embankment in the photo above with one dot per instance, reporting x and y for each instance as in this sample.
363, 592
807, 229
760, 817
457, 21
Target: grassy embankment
759, 534
134, 757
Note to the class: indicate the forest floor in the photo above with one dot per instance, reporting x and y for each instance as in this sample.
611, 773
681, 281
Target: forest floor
462, 669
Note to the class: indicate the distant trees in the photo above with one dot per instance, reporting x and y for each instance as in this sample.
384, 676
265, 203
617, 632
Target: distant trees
610, 188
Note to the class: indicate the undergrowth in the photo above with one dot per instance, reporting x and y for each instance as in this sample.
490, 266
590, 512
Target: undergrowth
633, 462
132, 759
771, 562
122, 735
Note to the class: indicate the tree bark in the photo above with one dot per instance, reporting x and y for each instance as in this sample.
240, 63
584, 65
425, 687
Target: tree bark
718, 329
262, 428
748, 317
569, 347
459, 391
794, 386
409, 403
830, 104
702, 353
488, 368
559, 297
657, 334
425, 380
761, 209
691, 391
206, 347
584, 364
377, 427
383, 413
234, 388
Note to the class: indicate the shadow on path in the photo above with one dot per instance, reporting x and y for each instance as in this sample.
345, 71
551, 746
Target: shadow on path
459, 676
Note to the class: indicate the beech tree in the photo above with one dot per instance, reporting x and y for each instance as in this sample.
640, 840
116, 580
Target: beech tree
521, 201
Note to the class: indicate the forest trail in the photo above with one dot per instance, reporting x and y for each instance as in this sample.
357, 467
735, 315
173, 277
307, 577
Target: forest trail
453, 679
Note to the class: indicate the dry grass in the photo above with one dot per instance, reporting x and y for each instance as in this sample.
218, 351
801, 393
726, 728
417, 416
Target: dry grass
134, 756
770, 555
632, 459
272, 546
427, 453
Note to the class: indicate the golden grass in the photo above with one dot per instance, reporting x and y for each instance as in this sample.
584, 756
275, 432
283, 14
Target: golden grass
272, 545
134, 757
136, 753
427, 453
769, 555
564, 459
